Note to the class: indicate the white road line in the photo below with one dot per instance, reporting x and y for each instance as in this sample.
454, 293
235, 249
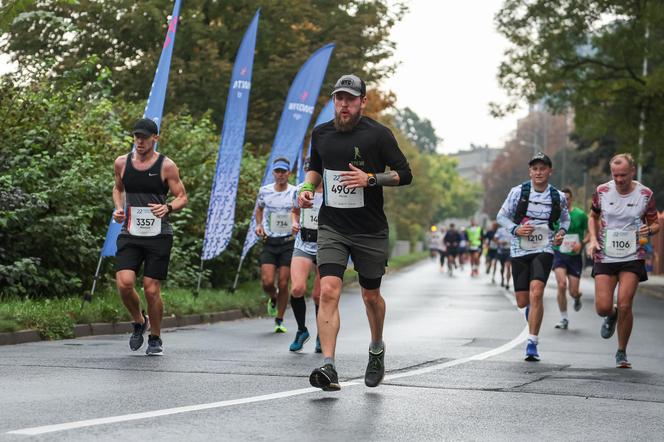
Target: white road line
267, 397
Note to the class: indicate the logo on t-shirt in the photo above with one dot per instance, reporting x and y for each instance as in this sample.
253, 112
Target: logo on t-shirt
357, 160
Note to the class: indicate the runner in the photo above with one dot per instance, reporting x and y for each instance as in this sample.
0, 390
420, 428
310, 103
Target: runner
451, 240
504, 239
567, 262
145, 177
622, 216
463, 248
529, 213
305, 221
274, 225
474, 235
491, 251
349, 156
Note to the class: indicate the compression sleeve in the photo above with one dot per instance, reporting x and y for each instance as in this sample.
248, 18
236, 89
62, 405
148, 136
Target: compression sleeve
506, 212
394, 158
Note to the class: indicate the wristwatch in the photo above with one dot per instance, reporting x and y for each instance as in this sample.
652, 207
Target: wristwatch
169, 207
371, 181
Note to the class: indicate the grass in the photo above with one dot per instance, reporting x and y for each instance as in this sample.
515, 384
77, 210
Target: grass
55, 318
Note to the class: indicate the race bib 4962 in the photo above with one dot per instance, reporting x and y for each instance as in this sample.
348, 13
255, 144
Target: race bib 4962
339, 196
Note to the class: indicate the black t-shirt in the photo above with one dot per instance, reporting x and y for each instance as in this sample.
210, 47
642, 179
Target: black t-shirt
369, 146
452, 238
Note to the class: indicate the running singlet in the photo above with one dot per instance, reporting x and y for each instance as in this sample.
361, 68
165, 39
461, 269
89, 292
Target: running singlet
277, 207
621, 216
577, 230
308, 220
539, 210
369, 146
144, 187
474, 236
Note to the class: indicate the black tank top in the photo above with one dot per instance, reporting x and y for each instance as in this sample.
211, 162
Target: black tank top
143, 187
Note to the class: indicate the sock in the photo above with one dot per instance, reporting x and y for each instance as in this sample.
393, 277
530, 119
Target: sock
328, 361
376, 346
533, 338
278, 321
563, 315
299, 311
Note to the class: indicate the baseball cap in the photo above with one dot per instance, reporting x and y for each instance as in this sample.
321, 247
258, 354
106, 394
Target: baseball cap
281, 163
539, 156
352, 84
145, 126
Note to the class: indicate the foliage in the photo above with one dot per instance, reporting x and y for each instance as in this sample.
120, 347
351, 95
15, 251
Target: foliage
417, 130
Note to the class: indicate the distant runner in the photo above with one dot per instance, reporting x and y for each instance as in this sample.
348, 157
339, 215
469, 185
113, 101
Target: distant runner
451, 240
504, 239
474, 235
491, 246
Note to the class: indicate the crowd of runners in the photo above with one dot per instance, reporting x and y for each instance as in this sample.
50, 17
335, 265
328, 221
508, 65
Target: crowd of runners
336, 216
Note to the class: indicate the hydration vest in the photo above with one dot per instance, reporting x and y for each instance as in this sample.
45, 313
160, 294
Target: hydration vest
522, 205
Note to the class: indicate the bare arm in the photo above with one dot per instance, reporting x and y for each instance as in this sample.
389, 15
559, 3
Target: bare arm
306, 197
118, 189
172, 177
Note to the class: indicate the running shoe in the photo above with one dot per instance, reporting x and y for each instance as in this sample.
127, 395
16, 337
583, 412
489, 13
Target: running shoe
577, 303
272, 307
301, 337
563, 324
318, 349
375, 368
136, 339
621, 360
531, 352
325, 378
609, 325
155, 346
280, 328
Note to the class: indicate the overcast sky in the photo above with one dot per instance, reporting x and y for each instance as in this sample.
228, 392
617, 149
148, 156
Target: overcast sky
449, 52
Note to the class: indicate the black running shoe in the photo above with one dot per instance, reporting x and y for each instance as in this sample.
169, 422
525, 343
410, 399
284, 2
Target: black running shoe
155, 346
375, 369
136, 338
325, 378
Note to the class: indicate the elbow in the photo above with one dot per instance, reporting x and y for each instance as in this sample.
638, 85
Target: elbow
405, 177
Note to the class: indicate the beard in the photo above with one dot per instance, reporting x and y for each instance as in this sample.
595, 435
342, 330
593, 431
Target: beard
348, 124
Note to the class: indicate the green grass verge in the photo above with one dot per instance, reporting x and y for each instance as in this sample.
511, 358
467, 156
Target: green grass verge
55, 318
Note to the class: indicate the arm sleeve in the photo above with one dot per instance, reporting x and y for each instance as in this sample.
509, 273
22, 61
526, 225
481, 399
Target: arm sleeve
394, 158
506, 212
315, 161
596, 205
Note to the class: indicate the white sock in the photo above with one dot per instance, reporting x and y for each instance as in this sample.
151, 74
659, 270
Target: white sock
533, 338
563, 315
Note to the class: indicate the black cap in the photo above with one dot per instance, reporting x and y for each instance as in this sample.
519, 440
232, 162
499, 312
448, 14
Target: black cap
539, 156
352, 84
145, 126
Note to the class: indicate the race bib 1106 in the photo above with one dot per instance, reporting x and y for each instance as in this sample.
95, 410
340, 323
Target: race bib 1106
280, 223
620, 243
142, 222
339, 196
537, 240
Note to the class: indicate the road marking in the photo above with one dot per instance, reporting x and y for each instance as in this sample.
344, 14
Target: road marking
34, 431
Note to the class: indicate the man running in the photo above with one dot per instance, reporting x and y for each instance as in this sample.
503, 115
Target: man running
491, 251
274, 224
503, 239
529, 213
474, 235
143, 179
567, 262
349, 155
451, 240
305, 221
622, 216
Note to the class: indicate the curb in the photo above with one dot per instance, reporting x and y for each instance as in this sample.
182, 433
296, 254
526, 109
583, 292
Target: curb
108, 328
651, 290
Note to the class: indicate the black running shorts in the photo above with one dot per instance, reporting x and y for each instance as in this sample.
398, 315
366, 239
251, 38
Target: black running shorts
154, 251
637, 266
535, 266
279, 255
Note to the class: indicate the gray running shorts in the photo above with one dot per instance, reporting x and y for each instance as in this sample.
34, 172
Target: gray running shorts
302, 254
369, 251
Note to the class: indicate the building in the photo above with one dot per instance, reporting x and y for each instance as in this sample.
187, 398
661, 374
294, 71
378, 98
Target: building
472, 163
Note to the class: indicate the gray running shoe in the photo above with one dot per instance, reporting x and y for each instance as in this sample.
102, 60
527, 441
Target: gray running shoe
136, 338
155, 346
563, 324
621, 360
609, 325
375, 369
577, 303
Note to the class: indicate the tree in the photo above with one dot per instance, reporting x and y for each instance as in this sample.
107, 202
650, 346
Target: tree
417, 130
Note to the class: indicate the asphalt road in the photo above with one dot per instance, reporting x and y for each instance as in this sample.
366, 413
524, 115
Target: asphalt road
455, 371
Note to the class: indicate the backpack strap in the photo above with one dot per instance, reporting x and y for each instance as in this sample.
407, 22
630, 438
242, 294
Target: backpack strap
522, 205
555, 207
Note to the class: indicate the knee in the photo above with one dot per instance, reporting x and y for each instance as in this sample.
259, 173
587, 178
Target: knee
298, 290
624, 307
151, 293
562, 286
371, 296
124, 284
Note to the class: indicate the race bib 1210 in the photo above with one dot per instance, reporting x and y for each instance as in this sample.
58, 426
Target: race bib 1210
537, 240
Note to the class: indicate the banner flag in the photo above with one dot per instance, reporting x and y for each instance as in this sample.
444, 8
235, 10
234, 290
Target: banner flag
295, 119
221, 210
153, 110
326, 114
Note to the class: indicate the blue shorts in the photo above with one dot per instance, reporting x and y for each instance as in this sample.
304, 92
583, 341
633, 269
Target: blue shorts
571, 263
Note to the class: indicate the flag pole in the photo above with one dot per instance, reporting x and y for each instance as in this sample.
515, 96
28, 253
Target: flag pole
87, 296
200, 276
237, 275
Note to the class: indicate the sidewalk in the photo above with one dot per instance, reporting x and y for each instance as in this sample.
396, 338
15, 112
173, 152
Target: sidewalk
654, 286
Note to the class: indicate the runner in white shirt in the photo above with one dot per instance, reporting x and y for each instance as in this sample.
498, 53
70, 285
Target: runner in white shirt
622, 217
274, 225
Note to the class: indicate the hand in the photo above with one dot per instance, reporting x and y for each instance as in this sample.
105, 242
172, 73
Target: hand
524, 230
355, 178
295, 228
260, 231
558, 238
119, 216
305, 199
158, 210
644, 231
592, 247
577, 247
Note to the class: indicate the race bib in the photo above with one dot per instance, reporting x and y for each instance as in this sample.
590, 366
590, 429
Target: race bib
537, 240
280, 223
620, 243
310, 218
339, 196
143, 222
570, 241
